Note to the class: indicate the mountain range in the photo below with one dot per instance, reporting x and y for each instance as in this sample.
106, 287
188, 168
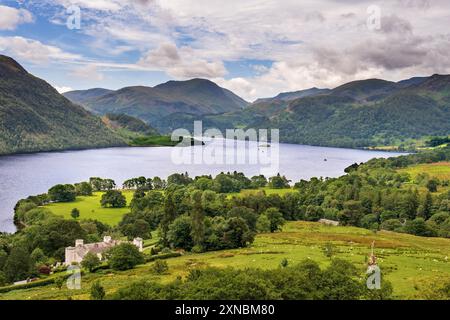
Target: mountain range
151, 104
364, 113
35, 117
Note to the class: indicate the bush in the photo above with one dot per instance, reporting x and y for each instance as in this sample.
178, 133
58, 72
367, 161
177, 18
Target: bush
97, 291
75, 213
329, 250
160, 267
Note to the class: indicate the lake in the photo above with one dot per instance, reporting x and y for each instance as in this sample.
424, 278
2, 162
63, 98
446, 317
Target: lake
30, 174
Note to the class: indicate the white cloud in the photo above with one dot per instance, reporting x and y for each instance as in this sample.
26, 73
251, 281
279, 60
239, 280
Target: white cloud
33, 51
10, 18
181, 62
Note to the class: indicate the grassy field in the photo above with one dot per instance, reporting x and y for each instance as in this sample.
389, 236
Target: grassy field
413, 264
440, 170
90, 208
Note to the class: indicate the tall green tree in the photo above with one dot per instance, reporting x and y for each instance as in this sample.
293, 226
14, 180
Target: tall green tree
198, 219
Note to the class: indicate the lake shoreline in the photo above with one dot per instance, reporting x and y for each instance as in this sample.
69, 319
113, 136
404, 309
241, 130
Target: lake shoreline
164, 146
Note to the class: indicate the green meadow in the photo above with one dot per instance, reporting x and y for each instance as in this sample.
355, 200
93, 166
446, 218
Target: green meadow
414, 265
440, 170
90, 208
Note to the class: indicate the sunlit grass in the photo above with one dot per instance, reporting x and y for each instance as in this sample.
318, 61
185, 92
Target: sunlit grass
409, 262
440, 170
90, 208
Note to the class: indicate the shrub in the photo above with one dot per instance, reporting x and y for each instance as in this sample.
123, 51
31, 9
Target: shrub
97, 291
75, 213
160, 267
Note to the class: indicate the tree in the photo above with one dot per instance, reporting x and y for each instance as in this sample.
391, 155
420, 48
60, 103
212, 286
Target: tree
158, 183
18, 264
391, 225
169, 216
114, 199
278, 182
263, 224
75, 213
237, 234
3, 280
62, 193
432, 185
138, 228
418, 227
275, 218
38, 257
258, 181
313, 213
198, 219
97, 291
124, 256
245, 213
3, 258
90, 261
425, 209
180, 233
352, 213
53, 235
83, 189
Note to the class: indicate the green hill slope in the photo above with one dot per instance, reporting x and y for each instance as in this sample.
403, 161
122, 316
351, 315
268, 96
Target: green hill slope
362, 113
35, 117
414, 265
195, 97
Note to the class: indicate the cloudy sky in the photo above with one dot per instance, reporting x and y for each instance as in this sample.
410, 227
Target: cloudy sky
256, 48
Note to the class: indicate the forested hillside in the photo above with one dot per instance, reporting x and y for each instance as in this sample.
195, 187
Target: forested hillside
357, 114
35, 117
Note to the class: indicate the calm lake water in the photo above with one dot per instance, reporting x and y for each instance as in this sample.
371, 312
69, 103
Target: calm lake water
30, 174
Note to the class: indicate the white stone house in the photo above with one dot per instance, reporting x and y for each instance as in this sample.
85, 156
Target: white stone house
76, 254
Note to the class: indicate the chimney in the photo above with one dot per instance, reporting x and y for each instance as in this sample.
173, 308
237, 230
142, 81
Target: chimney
79, 242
